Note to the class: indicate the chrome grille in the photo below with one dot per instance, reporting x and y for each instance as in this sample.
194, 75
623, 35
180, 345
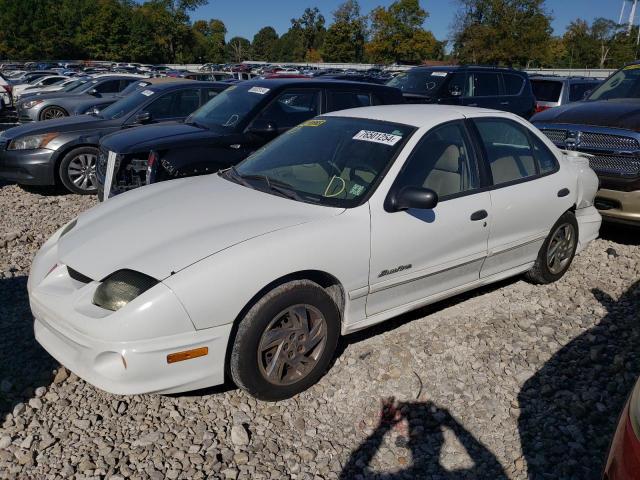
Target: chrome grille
608, 141
556, 136
615, 165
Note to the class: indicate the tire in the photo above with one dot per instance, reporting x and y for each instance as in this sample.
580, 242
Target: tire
77, 171
53, 112
557, 251
272, 335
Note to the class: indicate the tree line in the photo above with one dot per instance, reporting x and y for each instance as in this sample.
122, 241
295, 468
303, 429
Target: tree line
501, 32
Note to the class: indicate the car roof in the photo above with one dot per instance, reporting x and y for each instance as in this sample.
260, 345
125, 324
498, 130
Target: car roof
318, 82
184, 83
417, 115
449, 68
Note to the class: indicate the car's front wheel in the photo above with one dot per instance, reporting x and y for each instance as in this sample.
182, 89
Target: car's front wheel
557, 252
77, 171
51, 113
286, 341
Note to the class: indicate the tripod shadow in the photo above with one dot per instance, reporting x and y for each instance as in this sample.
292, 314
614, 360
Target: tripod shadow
422, 427
570, 407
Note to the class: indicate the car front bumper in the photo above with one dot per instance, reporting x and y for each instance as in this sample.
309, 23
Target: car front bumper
618, 206
28, 167
27, 116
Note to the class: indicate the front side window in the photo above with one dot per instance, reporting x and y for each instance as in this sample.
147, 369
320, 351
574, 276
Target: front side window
442, 162
507, 149
291, 108
577, 91
484, 85
110, 86
624, 83
333, 161
420, 81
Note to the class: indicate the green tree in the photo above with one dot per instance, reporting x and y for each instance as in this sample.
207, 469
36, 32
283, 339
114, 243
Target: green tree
290, 46
238, 49
264, 44
397, 34
345, 38
311, 26
509, 32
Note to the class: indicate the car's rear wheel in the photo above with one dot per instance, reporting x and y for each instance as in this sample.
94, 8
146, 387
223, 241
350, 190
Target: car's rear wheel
78, 171
51, 113
286, 341
557, 252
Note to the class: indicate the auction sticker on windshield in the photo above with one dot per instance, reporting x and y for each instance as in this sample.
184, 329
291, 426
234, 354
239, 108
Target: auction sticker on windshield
314, 123
377, 137
438, 74
260, 90
147, 93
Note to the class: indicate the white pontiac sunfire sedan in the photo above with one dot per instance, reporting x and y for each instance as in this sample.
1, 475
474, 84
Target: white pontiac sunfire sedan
343, 222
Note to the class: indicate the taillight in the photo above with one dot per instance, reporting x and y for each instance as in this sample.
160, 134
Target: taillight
8, 88
151, 167
624, 455
541, 108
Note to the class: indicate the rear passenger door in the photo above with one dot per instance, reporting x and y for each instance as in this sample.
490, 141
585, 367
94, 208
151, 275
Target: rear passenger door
484, 91
527, 195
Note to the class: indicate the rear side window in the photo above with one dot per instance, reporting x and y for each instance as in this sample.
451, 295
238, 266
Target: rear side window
546, 90
344, 100
512, 83
508, 150
292, 108
110, 86
485, 85
577, 91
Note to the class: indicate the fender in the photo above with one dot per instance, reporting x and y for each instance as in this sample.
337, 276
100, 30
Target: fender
185, 162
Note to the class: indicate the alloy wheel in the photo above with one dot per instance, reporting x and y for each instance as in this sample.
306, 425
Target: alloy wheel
561, 248
82, 171
53, 112
291, 344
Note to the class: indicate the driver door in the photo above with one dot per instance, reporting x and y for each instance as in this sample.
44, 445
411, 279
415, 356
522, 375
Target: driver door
416, 254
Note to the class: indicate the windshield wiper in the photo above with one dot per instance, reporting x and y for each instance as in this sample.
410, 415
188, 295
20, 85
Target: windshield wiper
277, 186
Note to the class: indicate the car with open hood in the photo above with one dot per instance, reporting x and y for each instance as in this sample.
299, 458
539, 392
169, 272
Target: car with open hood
605, 126
226, 130
65, 151
347, 220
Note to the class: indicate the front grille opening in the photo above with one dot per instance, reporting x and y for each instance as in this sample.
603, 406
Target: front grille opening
77, 276
607, 204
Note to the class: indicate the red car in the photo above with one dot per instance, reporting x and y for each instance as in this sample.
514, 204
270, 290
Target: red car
624, 454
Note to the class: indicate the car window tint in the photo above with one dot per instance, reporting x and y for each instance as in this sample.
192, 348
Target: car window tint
456, 85
292, 107
49, 81
512, 83
577, 91
485, 85
345, 100
508, 150
186, 102
209, 93
110, 86
546, 90
161, 107
547, 161
442, 161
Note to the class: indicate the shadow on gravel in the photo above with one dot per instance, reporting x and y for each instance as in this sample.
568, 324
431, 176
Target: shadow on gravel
569, 409
420, 426
24, 364
625, 235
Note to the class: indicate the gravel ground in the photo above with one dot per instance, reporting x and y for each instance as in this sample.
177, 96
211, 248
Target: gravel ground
512, 381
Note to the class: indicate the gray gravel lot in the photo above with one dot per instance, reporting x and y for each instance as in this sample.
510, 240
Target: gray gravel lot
512, 381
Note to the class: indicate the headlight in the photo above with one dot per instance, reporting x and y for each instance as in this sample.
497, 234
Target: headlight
32, 142
120, 288
31, 104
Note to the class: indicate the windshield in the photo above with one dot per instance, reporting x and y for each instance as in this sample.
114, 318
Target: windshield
329, 160
546, 90
422, 81
623, 84
229, 108
125, 105
75, 85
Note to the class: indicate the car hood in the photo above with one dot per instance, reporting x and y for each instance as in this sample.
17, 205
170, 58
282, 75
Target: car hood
618, 113
152, 136
57, 94
62, 125
163, 228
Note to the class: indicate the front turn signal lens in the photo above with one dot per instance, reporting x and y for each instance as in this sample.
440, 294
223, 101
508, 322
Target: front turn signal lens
187, 354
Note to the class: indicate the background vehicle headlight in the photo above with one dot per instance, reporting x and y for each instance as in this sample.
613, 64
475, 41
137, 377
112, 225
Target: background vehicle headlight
31, 104
32, 142
120, 288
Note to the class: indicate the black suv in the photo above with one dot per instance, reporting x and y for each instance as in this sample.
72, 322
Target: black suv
226, 130
486, 87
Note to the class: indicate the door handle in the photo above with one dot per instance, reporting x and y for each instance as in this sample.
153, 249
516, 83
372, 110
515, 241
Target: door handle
235, 146
564, 192
479, 215
504, 103
472, 105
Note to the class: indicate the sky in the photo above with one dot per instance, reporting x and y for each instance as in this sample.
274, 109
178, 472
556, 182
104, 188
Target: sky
245, 17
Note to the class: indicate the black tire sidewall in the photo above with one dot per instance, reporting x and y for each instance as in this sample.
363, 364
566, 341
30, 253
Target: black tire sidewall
64, 165
244, 358
567, 217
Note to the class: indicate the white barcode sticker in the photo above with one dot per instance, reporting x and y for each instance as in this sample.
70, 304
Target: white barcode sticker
147, 93
439, 74
260, 90
111, 165
377, 137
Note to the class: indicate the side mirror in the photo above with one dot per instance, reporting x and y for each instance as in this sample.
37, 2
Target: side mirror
263, 127
455, 90
587, 94
143, 117
412, 197
93, 92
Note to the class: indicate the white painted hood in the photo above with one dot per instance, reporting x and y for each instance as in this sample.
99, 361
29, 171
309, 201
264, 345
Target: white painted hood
165, 227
